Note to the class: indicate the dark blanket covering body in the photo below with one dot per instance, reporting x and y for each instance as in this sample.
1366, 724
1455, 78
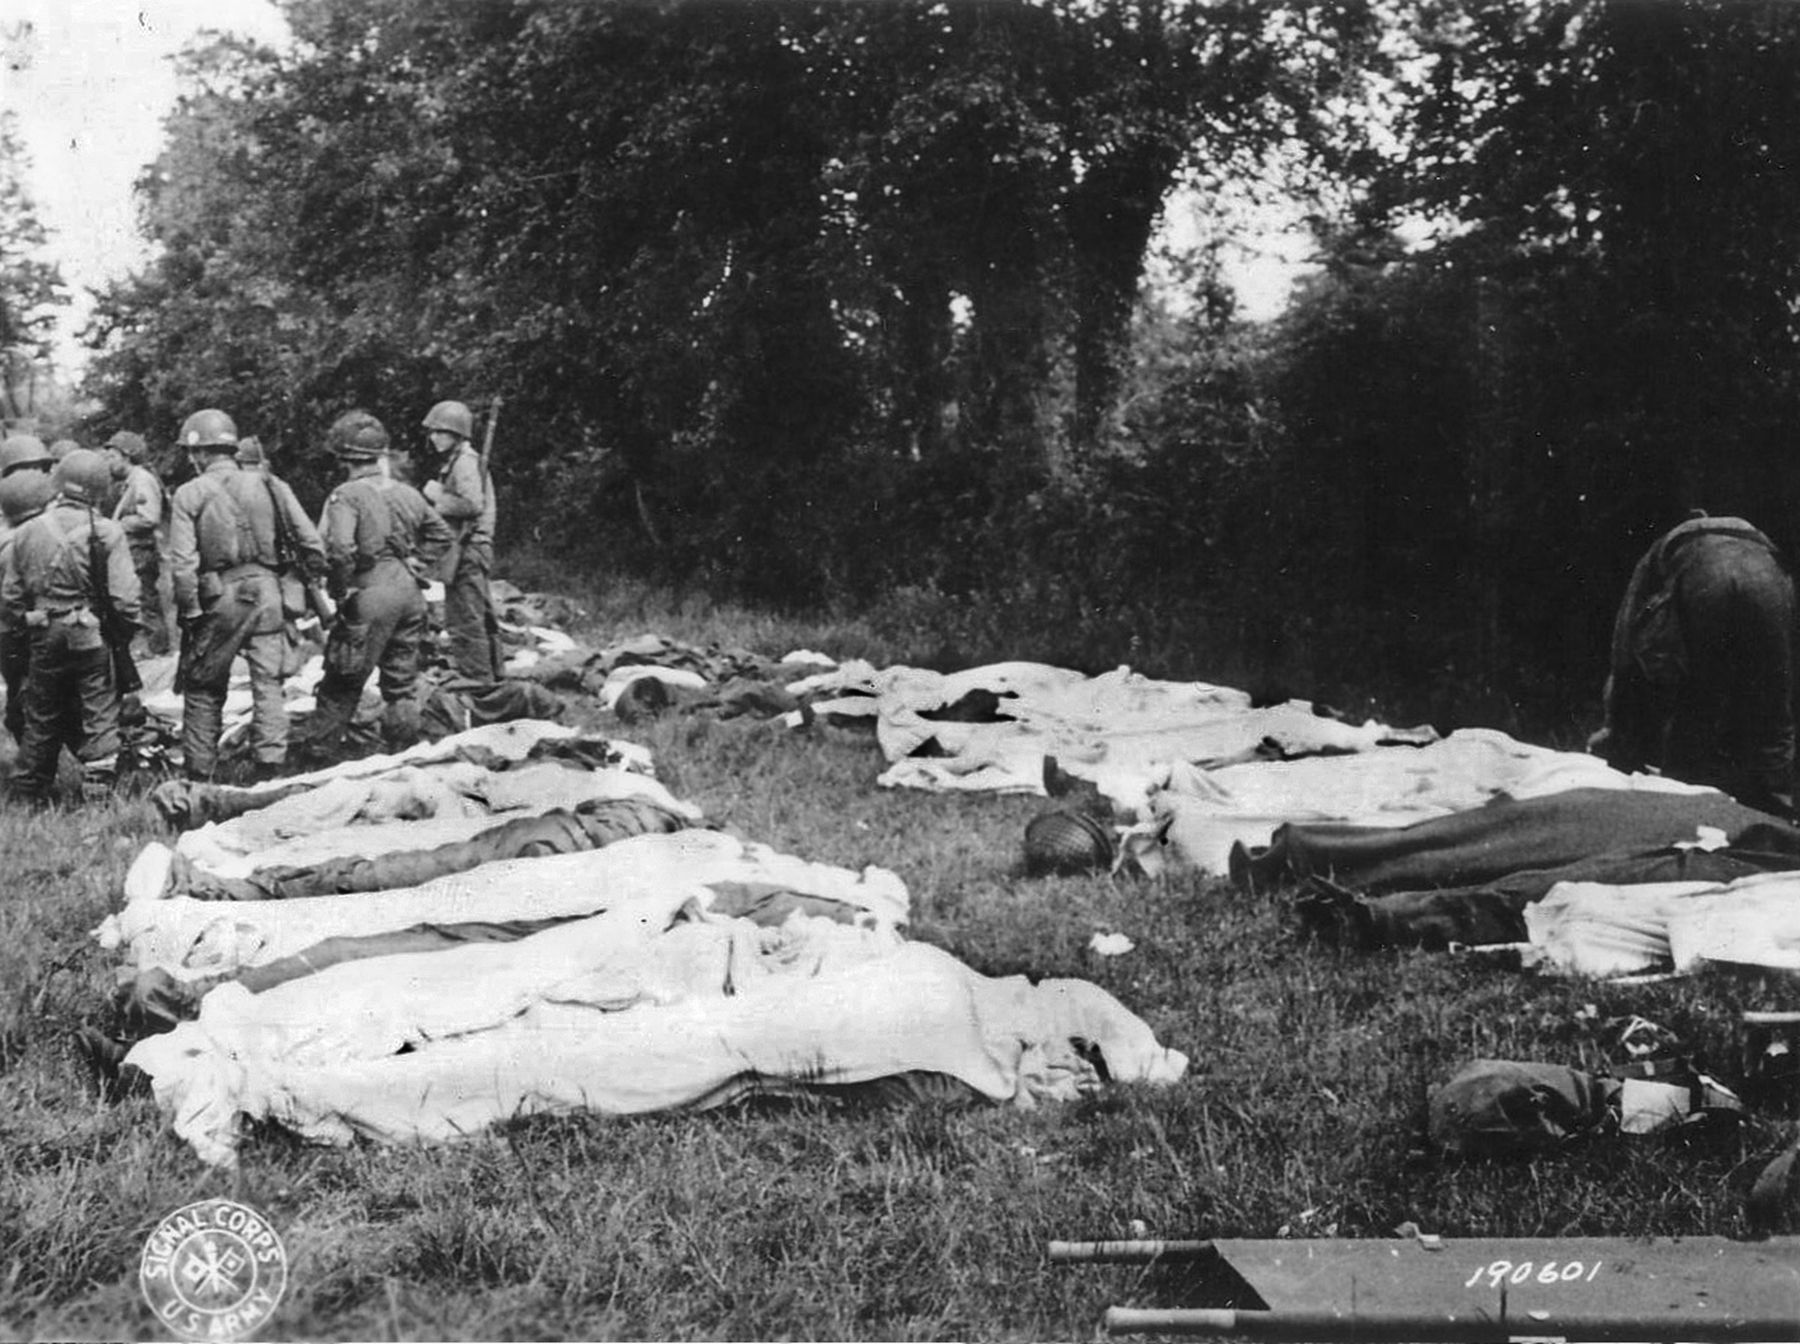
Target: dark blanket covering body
560, 830
1467, 877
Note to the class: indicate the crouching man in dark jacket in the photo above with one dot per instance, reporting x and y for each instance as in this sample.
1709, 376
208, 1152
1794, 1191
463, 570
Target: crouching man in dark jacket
1702, 677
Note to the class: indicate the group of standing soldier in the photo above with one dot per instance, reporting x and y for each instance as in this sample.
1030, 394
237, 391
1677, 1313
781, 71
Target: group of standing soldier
80, 565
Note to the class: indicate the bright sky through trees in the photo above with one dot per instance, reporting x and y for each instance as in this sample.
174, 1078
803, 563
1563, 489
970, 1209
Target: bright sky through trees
89, 82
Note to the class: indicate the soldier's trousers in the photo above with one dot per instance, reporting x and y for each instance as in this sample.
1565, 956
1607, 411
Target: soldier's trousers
469, 616
148, 564
69, 700
15, 664
390, 607
203, 709
245, 618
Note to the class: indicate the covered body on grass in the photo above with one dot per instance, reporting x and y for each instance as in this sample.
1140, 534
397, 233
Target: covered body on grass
655, 1002
1197, 815
989, 729
1470, 876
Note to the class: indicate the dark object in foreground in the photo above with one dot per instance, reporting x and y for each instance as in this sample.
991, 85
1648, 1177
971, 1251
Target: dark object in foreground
1066, 842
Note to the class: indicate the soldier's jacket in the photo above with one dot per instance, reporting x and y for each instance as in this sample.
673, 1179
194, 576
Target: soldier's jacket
467, 502
224, 518
371, 518
140, 507
45, 565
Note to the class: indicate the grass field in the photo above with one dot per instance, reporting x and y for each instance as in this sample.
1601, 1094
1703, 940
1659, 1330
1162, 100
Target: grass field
1302, 1113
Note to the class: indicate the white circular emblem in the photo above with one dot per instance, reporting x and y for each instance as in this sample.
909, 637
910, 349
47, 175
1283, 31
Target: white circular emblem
213, 1270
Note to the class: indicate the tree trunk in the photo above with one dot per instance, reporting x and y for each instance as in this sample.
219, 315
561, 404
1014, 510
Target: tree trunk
1111, 215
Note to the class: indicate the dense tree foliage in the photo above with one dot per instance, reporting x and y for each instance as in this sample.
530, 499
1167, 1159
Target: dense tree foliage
729, 264
31, 287
1612, 307
812, 298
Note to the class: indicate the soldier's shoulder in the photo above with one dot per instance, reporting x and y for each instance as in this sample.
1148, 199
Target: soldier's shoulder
356, 488
191, 490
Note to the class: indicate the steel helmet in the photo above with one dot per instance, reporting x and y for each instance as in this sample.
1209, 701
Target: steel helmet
24, 493
209, 429
129, 446
23, 450
250, 452
83, 475
62, 448
1067, 842
357, 436
453, 417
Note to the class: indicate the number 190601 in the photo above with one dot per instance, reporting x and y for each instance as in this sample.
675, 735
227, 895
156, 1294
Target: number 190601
1526, 1271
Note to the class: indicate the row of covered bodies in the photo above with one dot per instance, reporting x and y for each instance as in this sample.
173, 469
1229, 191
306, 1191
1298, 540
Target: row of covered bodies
520, 919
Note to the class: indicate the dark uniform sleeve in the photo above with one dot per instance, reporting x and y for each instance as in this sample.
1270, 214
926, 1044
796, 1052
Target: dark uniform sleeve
184, 553
300, 528
121, 575
12, 586
337, 531
435, 536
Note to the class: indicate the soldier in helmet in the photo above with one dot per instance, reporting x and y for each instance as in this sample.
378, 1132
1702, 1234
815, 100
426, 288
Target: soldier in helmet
139, 512
224, 550
24, 452
24, 463
460, 489
380, 537
48, 591
23, 496
23, 455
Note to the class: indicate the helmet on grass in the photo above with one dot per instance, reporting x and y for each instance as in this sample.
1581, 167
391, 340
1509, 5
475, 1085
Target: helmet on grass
1066, 842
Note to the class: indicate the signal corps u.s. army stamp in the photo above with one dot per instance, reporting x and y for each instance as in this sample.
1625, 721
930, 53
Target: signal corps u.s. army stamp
214, 1270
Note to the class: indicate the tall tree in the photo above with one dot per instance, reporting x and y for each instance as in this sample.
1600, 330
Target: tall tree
31, 288
762, 263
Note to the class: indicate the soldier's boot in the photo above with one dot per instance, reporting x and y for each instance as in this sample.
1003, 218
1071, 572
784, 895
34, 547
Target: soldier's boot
99, 779
262, 771
400, 724
31, 793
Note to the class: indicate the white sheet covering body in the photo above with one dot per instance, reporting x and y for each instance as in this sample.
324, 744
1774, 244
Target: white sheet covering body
192, 939
1195, 815
1598, 929
410, 807
509, 741
1119, 730
651, 1005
